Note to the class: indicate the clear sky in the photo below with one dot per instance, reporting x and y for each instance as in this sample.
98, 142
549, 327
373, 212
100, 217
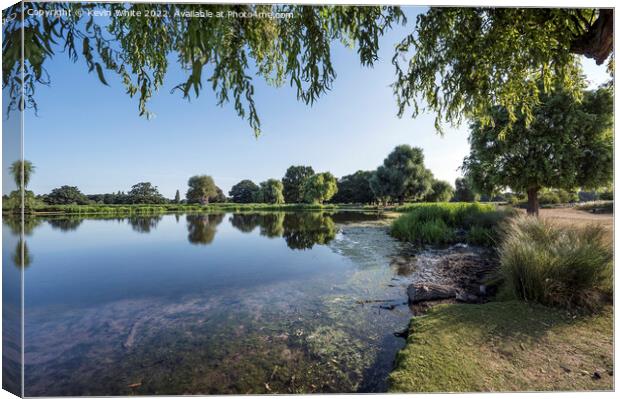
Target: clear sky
90, 135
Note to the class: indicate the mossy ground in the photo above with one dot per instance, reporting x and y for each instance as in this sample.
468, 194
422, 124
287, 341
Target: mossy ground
505, 346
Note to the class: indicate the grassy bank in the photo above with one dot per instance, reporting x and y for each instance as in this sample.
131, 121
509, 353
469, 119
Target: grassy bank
505, 346
551, 327
141, 209
445, 223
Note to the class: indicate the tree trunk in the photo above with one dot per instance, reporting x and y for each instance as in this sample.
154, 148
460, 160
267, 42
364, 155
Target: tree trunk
597, 42
532, 201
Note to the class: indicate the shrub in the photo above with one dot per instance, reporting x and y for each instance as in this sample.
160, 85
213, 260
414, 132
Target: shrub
568, 267
549, 197
478, 235
436, 223
429, 231
607, 195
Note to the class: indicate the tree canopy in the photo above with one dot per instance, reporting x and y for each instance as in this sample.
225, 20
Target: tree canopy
402, 175
145, 193
459, 62
355, 188
66, 195
464, 191
569, 144
456, 62
293, 181
441, 191
201, 189
319, 188
244, 192
226, 52
271, 192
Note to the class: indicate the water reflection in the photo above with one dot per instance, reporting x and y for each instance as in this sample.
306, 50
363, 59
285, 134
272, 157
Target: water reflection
21, 255
299, 230
144, 224
69, 223
201, 228
14, 222
109, 312
303, 230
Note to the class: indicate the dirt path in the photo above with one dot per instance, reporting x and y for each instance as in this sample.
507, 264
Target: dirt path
575, 217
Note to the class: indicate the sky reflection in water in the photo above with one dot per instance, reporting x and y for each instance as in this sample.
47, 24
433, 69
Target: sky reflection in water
219, 303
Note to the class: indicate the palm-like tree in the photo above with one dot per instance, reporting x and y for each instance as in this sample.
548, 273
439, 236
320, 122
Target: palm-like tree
16, 170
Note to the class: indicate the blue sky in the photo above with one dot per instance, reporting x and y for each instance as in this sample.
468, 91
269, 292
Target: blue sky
90, 135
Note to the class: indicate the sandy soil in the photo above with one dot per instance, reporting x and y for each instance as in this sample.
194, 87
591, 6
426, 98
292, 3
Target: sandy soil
576, 217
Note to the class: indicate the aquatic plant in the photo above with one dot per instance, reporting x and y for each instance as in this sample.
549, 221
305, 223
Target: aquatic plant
441, 223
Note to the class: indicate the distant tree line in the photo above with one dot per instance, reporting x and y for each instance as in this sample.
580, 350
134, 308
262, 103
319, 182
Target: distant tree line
402, 177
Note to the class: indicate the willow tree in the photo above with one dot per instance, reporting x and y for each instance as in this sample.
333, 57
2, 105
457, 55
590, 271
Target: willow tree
319, 188
457, 62
568, 144
460, 62
224, 46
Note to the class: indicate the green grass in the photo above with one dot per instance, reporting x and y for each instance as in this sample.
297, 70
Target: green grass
438, 223
146, 209
505, 346
565, 266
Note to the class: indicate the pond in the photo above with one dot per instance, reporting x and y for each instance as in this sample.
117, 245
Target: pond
210, 303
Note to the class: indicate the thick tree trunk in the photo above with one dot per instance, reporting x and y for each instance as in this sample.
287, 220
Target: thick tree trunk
532, 201
598, 41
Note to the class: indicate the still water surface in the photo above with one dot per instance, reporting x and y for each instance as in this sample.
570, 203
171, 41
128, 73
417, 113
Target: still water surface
205, 304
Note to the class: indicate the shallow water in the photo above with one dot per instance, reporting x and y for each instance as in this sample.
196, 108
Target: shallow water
205, 304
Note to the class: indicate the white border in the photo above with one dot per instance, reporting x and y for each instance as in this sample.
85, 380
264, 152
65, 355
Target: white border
462, 3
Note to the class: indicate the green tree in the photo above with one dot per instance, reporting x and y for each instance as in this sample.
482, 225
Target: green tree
201, 189
145, 193
66, 195
220, 51
464, 191
568, 144
380, 186
219, 196
403, 175
293, 181
177, 197
244, 192
319, 188
271, 192
441, 191
461, 61
19, 168
355, 188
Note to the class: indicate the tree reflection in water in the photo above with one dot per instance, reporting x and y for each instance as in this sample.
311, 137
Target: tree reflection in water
14, 222
65, 224
201, 228
300, 230
303, 230
21, 255
144, 224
